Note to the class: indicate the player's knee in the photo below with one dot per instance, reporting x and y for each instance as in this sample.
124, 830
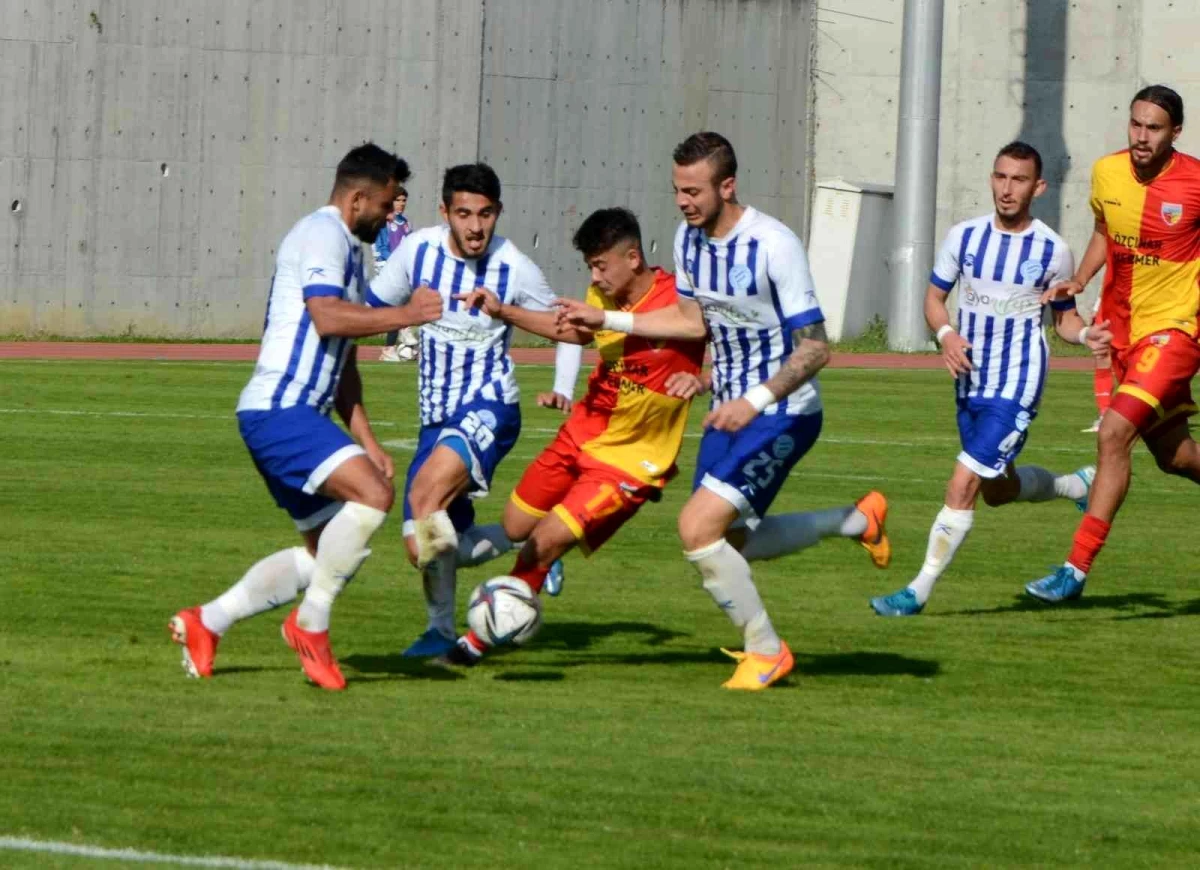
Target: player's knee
1182, 461
516, 523
695, 531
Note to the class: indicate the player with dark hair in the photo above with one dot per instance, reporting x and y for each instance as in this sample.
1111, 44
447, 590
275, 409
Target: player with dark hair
744, 282
1002, 262
618, 448
337, 487
1146, 202
470, 416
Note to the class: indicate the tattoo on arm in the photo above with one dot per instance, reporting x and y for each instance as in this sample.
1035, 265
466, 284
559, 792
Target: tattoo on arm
810, 355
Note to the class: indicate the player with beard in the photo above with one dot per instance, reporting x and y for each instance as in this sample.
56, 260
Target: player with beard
336, 487
470, 416
743, 281
1146, 203
1002, 262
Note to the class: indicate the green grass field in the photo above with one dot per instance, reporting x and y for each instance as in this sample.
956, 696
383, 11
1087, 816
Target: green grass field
987, 732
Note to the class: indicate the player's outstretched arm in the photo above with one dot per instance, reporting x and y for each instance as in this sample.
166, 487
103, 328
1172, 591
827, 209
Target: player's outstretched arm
544, 323
1093, 260
349, 405
684, 320
336, 317
954, 347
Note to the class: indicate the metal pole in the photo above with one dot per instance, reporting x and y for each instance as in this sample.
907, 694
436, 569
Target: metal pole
916, 172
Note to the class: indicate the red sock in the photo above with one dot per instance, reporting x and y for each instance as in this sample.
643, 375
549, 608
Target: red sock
1089, 538
475, 642
1102, 388
531, 574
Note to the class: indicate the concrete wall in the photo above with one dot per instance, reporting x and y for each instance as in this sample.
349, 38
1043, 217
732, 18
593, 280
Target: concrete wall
584, 101
152, 154
1058, 73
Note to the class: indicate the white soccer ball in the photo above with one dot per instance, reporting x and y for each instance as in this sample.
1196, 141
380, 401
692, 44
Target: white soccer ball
406, 352
504, 610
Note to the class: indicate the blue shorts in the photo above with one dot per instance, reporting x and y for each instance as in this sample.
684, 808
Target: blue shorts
295, 450
481, 433
747, 468
992, 432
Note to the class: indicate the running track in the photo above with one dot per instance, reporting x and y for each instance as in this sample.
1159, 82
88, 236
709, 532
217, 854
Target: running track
248, 352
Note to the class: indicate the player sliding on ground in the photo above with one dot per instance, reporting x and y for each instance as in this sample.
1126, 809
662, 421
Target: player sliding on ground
744, 282
470, 416
618, 448
997, 354
337, 491
1146, 202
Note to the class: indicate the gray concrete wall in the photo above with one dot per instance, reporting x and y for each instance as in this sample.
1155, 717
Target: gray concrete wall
584, 101
159, 150
1058, 73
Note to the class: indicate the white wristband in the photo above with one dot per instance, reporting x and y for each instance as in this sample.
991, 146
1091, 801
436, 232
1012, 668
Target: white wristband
1083, 333
618, 321
760, 396
941, 333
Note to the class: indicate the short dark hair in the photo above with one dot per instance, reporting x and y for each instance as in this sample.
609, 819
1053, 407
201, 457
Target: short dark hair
708, 146
1022, 151
1163, 97
401, 191
369, 162
603, 229
470, 178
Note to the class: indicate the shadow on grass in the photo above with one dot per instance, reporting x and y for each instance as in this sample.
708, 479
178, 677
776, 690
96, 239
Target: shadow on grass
1153, 600
398, 665
865, 664
531, 677
581, 635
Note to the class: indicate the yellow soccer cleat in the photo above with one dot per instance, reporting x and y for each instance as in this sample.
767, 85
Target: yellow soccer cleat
756, 671
875, 540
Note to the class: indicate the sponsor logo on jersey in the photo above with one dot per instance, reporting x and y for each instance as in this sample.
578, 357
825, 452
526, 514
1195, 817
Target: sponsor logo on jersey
740, 278
727, 311
1161, 339
1171, 213
1031, 271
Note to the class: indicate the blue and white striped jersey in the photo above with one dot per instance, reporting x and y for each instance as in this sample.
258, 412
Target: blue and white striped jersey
464, 354
296, 366
1000, 278
755, 288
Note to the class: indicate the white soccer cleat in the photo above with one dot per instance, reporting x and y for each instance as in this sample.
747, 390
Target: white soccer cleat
1095, 427
435, 535
389, 354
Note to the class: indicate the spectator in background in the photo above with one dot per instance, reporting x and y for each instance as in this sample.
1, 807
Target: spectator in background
400, 345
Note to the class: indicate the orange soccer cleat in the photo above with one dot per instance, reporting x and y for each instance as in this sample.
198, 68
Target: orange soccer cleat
756, 671
875, 540
315, 655
199, 644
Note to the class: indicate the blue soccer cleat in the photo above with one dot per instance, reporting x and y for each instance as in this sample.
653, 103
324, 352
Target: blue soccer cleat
554, 580
430, 645
1063, 585
1088, 475
902, 603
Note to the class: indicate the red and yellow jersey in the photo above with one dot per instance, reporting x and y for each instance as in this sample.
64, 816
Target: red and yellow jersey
1152, 276
627, 420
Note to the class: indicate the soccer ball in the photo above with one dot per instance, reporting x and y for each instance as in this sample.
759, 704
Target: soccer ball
504, 610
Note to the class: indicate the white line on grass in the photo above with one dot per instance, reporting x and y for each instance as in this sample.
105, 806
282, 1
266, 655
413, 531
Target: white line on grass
21, 844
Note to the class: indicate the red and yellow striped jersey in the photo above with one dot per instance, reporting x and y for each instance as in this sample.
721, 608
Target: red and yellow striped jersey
1152, 275
627, 420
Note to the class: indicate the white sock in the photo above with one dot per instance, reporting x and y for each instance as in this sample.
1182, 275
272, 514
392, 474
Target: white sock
1070, 486
270, 582
779, 535
341, 550
1038, 484
727, 578
949, 531
435, 535
439, 582
480, 544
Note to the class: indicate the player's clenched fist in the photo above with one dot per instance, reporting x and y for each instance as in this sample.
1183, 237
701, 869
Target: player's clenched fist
425, 305
572, 312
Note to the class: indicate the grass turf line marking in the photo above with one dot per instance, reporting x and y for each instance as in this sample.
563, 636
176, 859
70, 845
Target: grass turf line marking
22, 844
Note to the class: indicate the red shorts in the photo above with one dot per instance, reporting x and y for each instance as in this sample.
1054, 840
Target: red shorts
1155, 377
592, 499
